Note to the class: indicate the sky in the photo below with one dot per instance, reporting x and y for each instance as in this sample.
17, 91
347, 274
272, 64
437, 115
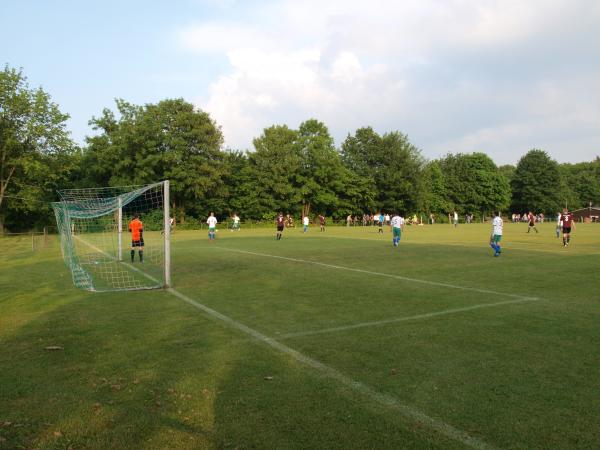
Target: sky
494, 76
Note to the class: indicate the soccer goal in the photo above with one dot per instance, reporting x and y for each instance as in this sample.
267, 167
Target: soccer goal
116, 238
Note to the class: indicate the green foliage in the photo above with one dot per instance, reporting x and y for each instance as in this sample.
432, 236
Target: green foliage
474, 184
581, 183
434, 197
297, 171
389, 164
36, 153
537, 184
169, 140
274, 168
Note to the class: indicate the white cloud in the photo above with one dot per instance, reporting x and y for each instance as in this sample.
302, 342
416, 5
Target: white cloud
458, 75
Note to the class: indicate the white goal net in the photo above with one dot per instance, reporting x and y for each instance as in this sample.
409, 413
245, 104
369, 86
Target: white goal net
116, 238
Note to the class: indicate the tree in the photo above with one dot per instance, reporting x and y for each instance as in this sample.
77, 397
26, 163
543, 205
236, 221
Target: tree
390, 162
581, 183
168, 140
434, 198
508, 171
33, 135
536, 184
297, 170
275, 166
474, 183
321, 176
242, 194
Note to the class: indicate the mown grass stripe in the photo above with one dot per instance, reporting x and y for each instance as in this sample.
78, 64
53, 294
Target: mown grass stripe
382, 274
403, 319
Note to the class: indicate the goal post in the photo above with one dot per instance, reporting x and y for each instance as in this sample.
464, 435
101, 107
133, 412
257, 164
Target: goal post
96, 226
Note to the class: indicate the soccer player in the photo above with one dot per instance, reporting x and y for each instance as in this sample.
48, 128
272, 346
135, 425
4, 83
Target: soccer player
322, 222
280, 221
236, 223
305, 222
171, 223
531, 222
567, 223
558, 225
397, 224
496, 237
136, 228
455, 219
212, 225
381, 220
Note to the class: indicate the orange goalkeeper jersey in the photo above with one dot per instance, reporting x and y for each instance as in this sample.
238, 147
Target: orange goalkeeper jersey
136, 227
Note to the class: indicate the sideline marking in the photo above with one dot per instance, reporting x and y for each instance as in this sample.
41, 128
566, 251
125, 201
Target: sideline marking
402, 319
381, 274
384, 399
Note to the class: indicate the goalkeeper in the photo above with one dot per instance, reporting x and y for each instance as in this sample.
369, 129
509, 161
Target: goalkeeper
136, 228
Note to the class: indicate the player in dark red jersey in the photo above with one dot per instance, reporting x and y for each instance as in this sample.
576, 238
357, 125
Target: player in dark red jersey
322, 222
567, 224
531, 220
280, 221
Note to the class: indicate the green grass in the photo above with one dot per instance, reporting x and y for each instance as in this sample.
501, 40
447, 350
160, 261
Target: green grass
399, 352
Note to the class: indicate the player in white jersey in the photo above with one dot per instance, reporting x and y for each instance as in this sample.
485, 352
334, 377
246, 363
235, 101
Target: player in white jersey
496, 237
212, 225
236, 223
397, 223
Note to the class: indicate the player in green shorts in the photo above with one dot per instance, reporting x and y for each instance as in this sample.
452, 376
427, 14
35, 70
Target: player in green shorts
397, 223
496, 237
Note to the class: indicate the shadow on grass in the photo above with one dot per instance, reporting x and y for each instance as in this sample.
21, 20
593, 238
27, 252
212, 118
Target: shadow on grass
143, 370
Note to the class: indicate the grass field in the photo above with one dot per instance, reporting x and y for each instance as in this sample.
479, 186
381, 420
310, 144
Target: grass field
325, 340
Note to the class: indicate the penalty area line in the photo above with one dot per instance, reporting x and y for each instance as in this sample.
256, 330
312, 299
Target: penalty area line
402, 319
382, 274
361, 388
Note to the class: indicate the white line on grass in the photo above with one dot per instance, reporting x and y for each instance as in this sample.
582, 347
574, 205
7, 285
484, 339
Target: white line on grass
363, 389
383, 399
402, 319
141, 272
381, 274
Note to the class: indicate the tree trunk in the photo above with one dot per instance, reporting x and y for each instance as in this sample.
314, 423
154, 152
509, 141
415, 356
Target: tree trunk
305, 209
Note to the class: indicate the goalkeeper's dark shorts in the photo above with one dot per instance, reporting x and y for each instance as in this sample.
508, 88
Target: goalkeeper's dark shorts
138, 243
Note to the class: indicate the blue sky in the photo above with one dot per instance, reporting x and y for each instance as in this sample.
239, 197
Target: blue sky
501, 77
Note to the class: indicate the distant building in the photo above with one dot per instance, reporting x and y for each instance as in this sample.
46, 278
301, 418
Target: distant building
589, 214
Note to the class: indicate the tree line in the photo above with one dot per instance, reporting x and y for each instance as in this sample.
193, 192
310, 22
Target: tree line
296, 171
